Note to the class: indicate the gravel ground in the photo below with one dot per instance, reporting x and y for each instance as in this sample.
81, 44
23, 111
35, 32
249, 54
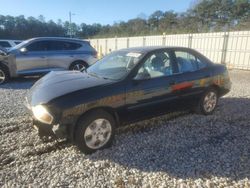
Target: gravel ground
175, 150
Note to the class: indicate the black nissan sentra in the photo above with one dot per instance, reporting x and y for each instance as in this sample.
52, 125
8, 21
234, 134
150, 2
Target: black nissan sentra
125, 86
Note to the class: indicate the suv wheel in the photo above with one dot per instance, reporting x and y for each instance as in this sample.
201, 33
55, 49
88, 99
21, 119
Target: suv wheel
208, 102
78, 66
95, 131
4, 75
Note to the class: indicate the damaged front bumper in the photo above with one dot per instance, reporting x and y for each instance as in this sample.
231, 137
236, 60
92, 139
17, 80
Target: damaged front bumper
45, 130
58, 131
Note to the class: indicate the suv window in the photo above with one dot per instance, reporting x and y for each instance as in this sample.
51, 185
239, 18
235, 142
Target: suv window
187, 62
38, 46
158, 64
87, 47
63, 45
71, 46
5, 44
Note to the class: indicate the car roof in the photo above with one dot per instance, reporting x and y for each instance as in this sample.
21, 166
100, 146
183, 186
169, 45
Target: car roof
58, 38
146, 49
11, 40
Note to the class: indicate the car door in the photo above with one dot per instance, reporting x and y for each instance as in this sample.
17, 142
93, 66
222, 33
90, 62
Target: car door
150, 92
193, 73
32, 58
61, 54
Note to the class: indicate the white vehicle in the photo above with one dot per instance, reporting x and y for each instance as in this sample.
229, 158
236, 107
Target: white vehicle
7, 44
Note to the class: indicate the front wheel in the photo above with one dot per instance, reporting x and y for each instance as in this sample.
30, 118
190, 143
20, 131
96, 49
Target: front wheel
208, 102
95, 131
4, 75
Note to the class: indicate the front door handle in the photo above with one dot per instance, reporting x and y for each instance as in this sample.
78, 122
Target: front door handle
172, 83
43, 57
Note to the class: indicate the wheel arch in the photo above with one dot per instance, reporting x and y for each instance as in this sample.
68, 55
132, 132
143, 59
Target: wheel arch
2, 64
217, 88
107, 109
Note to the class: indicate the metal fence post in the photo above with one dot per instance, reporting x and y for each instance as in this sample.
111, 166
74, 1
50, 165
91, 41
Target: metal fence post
190, 40
127, 42
97, 44
106, 46
224, 48
116, 43
164, 39
144, 41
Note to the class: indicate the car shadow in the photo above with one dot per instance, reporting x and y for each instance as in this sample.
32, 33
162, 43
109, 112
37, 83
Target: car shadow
20, 83
190, 146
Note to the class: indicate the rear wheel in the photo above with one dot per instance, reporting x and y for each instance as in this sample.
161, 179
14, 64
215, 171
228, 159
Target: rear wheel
95, 131
208, 102
4, 74
78, 66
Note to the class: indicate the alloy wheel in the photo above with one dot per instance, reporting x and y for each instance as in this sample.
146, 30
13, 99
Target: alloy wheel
2, 76
78, 67
98, 133
210, 101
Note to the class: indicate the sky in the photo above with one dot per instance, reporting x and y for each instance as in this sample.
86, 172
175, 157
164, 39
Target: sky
91, 11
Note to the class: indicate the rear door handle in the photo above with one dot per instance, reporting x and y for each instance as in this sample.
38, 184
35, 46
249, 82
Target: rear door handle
43, 57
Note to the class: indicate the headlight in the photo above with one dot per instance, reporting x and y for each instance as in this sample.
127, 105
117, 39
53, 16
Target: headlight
41, 114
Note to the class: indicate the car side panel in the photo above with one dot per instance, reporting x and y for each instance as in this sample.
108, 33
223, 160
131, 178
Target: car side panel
149, 97
31, 61
60, 59
75, 104
63, 59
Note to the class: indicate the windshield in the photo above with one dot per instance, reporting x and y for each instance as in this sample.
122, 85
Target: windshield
116, 65
19, 45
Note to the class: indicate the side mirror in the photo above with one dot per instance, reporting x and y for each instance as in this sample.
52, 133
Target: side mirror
23, 50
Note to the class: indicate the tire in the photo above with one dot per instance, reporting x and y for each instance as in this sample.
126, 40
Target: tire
95, 131
208, 102
78, 66
4, 74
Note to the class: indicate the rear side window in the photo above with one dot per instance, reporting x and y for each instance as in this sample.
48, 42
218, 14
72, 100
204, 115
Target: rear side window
71, 46
187, 62
38, 46
5, 44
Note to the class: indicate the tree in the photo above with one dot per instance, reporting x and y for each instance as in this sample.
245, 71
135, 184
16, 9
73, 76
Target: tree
203, 16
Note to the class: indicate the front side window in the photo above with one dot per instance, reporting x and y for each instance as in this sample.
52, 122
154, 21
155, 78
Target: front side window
38, 46
157, 64
116, 65
187, 62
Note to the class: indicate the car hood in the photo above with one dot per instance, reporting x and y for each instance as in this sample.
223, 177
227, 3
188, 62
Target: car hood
56, 84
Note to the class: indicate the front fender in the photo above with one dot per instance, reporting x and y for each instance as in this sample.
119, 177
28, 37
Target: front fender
10, 62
